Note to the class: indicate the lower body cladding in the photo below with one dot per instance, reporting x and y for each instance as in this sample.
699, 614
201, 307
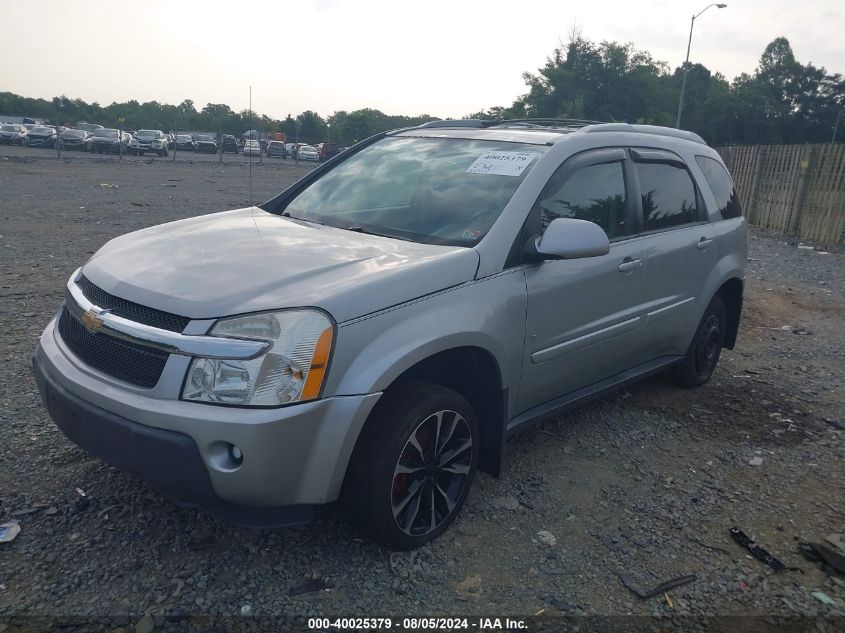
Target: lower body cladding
253, 467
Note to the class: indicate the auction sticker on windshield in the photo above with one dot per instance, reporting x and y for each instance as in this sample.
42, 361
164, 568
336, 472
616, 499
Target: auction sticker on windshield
502, 163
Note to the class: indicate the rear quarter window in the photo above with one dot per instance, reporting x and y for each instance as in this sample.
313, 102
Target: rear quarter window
721, 185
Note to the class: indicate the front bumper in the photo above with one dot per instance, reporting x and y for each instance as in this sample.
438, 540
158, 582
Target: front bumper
146, 149
294, 457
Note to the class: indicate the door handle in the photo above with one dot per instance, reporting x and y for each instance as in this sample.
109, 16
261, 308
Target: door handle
703, 243
629, 264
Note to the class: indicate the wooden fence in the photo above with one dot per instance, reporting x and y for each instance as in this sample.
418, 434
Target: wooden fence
797, 189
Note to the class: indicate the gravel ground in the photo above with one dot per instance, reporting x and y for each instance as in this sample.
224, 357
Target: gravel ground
647, 482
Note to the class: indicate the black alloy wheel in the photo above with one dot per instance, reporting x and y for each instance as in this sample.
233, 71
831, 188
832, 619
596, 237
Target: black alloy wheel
413, 465
703, 352
429, 477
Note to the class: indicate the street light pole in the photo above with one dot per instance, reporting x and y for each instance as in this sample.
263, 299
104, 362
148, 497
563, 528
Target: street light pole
686, 62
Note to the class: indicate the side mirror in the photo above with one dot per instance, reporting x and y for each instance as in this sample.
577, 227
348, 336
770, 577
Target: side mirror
568, 238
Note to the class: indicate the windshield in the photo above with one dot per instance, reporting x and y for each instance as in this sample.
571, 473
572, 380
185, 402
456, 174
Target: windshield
146, 134
204, 137
41, 130
184, 137
436, 190
73, 133
106, 132
11, 128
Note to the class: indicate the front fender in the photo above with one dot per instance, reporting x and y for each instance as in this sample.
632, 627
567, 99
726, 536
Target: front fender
373, 351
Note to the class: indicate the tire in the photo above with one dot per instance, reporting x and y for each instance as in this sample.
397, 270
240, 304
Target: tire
706, 347
405, 510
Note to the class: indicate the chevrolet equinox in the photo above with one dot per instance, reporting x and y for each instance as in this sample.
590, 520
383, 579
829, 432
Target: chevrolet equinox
375, 333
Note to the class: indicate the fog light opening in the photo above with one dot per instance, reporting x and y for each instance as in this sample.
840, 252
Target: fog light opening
225, 456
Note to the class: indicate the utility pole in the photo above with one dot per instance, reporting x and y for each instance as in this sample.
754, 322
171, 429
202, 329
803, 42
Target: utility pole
686, 62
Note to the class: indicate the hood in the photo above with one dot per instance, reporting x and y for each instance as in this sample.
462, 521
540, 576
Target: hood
249, 260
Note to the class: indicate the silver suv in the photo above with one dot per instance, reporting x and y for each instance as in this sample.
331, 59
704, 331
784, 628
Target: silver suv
376, 332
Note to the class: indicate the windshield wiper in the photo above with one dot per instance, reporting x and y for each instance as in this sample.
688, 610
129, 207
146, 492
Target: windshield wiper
360, 229
287, 214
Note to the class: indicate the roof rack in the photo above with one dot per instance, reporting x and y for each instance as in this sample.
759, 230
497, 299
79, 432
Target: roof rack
477, 123
553, 123
533, 123
565, 125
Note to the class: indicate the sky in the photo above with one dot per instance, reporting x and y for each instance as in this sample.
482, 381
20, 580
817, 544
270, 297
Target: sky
443, 58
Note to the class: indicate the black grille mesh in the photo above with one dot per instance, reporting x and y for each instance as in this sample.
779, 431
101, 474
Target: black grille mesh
130, 310
124, 360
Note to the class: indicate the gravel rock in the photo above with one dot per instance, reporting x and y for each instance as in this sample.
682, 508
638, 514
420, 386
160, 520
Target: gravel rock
507, 502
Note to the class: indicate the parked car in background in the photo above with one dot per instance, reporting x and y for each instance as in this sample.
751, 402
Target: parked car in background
184, 143
75, 139
205, 143
308, 152
327, 151
41, 136
252, 148
276, 148
149, 141
229, 144
12, 134
106, 140
88, 127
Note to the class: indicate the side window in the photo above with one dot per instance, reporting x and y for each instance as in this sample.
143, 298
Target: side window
668, 196
721, 186
595, 193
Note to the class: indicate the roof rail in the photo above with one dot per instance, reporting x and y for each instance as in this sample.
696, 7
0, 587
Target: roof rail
453, 123
568, 123
656, 130
581, 125
484, 123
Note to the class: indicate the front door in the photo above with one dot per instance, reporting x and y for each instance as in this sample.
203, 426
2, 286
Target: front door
585, 316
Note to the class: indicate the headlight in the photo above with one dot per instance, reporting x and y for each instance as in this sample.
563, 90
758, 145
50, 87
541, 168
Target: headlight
291, 370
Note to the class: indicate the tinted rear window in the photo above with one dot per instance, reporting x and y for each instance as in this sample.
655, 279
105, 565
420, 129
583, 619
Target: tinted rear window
721, 185
668, 196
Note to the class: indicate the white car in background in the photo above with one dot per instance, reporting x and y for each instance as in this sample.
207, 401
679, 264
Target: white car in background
252, 148
307, 152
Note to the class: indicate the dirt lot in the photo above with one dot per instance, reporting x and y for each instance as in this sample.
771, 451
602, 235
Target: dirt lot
647, 482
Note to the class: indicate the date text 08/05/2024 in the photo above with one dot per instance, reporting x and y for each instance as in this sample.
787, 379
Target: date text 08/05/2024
416, 624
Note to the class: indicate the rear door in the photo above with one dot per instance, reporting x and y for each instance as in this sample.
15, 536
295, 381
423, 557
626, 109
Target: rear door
584, 316
679, 247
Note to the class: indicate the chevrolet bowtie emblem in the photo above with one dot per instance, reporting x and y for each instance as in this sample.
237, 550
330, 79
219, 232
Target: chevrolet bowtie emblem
92, 321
